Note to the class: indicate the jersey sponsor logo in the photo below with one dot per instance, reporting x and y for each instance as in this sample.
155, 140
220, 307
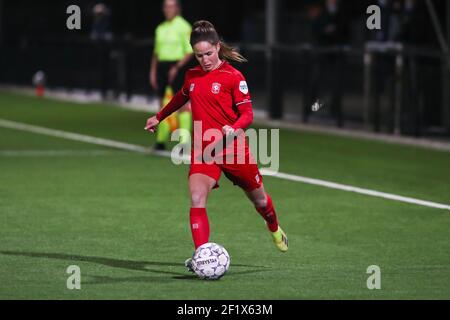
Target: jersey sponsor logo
215, 88
243, 87
191, 88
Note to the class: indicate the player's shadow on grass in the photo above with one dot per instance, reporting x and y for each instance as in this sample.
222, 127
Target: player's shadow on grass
126, 264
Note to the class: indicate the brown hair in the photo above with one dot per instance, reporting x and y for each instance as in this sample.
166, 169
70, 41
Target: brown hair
204, 31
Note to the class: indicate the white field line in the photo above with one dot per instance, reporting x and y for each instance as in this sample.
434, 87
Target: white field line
344, 187
140, 103
73, 136
140, 149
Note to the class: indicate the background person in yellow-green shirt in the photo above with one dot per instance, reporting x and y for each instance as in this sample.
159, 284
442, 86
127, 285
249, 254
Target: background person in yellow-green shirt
172, 51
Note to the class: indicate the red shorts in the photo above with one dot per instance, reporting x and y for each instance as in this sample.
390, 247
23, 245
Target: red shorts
246, 176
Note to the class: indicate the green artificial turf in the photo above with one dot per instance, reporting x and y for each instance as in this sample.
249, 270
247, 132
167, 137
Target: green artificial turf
123, 217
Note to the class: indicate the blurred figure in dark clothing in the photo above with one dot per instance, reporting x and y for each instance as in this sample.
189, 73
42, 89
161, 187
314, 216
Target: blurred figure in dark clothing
329, 29
329, 26
102, 36
101, 25
391, 21
414, 23
402, 22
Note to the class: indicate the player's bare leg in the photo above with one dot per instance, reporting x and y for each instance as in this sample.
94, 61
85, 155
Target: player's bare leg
200, 185
258, 197
263, 204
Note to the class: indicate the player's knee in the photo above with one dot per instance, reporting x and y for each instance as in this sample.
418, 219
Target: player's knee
260, 202
198, 198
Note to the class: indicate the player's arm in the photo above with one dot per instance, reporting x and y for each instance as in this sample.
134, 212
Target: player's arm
245, 118
241, 98
178, 100
176, 103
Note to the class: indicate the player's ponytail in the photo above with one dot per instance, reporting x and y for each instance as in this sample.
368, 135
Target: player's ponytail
204, 31
228, 52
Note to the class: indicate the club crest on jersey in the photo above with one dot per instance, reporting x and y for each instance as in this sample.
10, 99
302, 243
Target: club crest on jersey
243, 87
215, 88
191, 88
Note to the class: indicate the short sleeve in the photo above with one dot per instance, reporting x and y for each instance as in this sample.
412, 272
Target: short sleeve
186, 40
240, 90
156, 49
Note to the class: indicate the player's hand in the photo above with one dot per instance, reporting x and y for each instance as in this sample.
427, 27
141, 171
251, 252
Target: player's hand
227, 130
151, 124
172, 74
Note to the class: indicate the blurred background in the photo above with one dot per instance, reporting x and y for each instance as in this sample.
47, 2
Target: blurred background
394, 80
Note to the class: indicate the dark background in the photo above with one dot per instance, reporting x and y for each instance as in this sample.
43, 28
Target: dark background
305, 64
236, 20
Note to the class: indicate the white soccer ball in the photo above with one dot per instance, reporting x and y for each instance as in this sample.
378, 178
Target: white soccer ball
211, 261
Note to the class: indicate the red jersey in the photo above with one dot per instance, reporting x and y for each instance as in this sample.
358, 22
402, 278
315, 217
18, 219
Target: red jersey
219, 97
215, 95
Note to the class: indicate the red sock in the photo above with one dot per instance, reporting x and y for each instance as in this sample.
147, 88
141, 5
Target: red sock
199, 226
268, 213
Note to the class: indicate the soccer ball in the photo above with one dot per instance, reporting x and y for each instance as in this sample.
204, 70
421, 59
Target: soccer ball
211, 261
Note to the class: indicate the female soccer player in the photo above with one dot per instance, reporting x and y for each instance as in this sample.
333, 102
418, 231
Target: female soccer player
219, 100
